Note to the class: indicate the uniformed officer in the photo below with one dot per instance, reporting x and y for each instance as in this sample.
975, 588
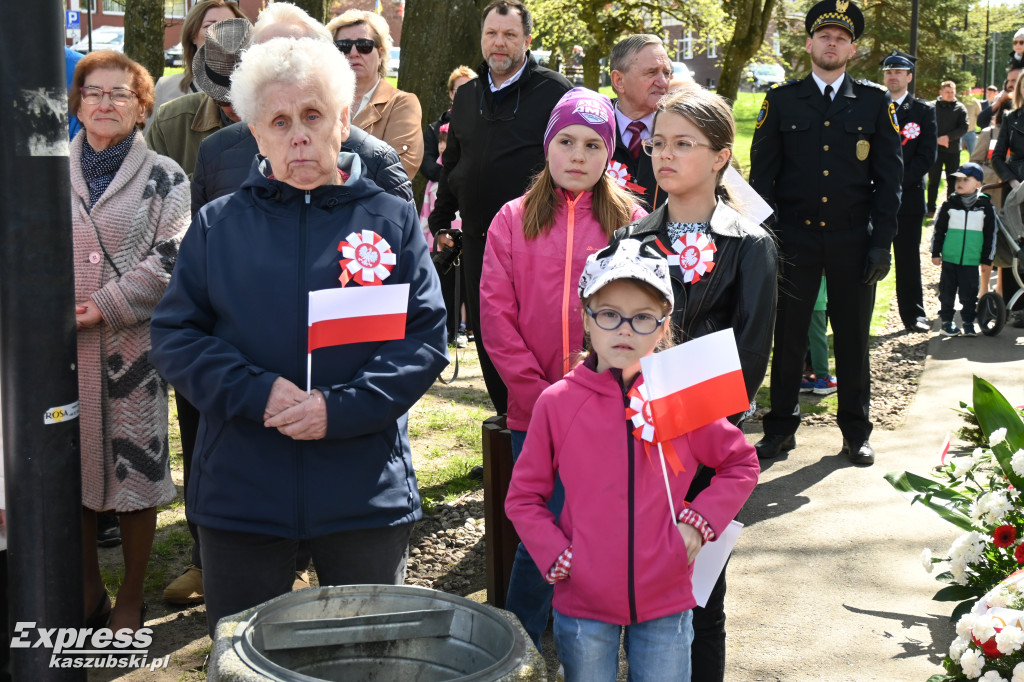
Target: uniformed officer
916, 120
826, 156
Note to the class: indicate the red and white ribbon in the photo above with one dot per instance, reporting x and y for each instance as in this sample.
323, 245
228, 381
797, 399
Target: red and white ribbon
618, 172
639, 414
367, 258
694, 254
911, 131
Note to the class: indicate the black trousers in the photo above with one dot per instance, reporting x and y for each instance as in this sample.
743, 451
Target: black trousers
806, 254
472, 268
958, 281
707, 653
372, 556
906, 248
188, 426
950, 160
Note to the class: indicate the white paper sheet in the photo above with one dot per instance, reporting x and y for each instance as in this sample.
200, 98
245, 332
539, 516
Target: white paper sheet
710, 561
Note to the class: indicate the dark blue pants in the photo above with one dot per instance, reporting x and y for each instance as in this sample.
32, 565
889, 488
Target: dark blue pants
958, 280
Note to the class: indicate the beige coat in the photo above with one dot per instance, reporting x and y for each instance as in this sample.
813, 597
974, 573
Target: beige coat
394, 116
140, 221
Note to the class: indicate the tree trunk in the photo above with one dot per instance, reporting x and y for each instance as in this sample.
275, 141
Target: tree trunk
314, 8
144, 34
445, 34
592, 68
752, 19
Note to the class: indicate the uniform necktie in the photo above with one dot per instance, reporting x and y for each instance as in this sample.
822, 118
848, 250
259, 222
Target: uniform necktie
636, 127
828, 96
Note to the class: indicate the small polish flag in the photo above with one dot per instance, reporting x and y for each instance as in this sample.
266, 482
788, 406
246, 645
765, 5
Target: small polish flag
694, 384
355, 315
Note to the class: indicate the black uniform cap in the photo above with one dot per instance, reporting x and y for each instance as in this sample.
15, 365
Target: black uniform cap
898, 60
841, 13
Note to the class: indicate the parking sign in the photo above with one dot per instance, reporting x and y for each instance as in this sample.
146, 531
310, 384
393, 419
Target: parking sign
73, 19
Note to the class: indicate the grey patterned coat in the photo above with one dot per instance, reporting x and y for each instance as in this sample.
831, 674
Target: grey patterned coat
139, 221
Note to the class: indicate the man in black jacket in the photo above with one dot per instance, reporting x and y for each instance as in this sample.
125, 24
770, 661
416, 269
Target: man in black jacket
831, 168
950, 124
916, 119
495, 146
641, 72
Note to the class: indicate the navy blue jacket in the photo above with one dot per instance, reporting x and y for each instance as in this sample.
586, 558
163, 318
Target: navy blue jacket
234, 318
226, 156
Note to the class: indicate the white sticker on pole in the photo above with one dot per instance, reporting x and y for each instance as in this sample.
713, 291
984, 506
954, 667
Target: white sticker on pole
57, 415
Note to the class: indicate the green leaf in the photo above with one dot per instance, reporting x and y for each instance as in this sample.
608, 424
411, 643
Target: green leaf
994, 412
945, 501
957, 592
941, 678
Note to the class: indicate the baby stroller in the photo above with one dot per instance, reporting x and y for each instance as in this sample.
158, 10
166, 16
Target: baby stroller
1009, 236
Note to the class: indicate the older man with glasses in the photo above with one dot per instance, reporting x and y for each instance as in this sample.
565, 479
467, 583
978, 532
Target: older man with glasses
495, 145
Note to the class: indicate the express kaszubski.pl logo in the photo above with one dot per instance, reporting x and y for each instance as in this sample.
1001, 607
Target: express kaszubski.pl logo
89, 647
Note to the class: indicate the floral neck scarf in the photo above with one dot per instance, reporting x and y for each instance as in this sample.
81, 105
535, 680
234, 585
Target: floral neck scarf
99, 168
677, 230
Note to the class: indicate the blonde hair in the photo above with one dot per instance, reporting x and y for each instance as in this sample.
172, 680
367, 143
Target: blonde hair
378, 27
1018, 92
460, 72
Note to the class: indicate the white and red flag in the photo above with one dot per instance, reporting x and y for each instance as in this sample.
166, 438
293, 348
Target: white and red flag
694, 384
355, 315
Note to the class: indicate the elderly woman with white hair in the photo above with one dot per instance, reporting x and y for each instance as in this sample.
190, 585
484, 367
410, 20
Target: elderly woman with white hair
303, 435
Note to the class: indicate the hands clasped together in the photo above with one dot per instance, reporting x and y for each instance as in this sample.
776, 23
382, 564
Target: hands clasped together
294, 413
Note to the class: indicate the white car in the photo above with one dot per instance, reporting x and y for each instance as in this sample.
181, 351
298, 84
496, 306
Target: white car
394, 57
681, 71
103, 38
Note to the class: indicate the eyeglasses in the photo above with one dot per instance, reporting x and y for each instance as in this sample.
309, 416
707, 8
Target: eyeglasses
491, 119
121, 97
609, 320
1018, 42
363, 45
679, 147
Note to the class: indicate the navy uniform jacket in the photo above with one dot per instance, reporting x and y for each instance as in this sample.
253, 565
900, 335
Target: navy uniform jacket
916, 116
830, 170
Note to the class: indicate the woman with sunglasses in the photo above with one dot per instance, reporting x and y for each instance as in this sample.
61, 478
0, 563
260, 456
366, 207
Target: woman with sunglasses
129, 211
378, 108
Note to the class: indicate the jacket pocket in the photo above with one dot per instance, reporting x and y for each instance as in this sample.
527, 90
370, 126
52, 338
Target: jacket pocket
794, 125
860, 127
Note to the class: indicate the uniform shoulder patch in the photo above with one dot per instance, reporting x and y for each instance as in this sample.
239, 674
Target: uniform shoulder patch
870, 84
892, 117
791, 81
762, 114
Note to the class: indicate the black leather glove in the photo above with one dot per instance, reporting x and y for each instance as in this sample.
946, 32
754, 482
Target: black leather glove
877, 266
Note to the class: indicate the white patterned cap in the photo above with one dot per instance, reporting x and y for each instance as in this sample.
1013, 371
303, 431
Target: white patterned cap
629, 259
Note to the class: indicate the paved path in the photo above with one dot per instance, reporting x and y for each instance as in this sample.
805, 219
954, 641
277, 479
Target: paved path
826, 582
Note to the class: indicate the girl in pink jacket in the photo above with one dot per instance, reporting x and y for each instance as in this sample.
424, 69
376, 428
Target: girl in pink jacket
530, 313
614, 558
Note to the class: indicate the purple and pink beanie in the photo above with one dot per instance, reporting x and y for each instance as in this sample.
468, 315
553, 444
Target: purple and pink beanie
581, 106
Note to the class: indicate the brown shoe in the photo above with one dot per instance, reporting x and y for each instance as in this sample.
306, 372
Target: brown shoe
187, 588
301, 580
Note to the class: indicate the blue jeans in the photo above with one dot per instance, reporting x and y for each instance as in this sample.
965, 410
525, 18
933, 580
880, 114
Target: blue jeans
656, 650
529, 595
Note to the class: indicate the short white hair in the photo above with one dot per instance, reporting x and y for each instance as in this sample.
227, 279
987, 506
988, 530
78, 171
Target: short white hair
311, 64
291, 15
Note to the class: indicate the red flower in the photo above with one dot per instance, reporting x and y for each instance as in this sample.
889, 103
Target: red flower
1004, 536
989, 646
1018, 554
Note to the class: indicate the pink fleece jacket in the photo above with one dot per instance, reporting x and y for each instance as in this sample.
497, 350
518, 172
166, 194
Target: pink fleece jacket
530, 311
629, 561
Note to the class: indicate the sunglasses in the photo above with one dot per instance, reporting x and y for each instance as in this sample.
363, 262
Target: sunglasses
363, 45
